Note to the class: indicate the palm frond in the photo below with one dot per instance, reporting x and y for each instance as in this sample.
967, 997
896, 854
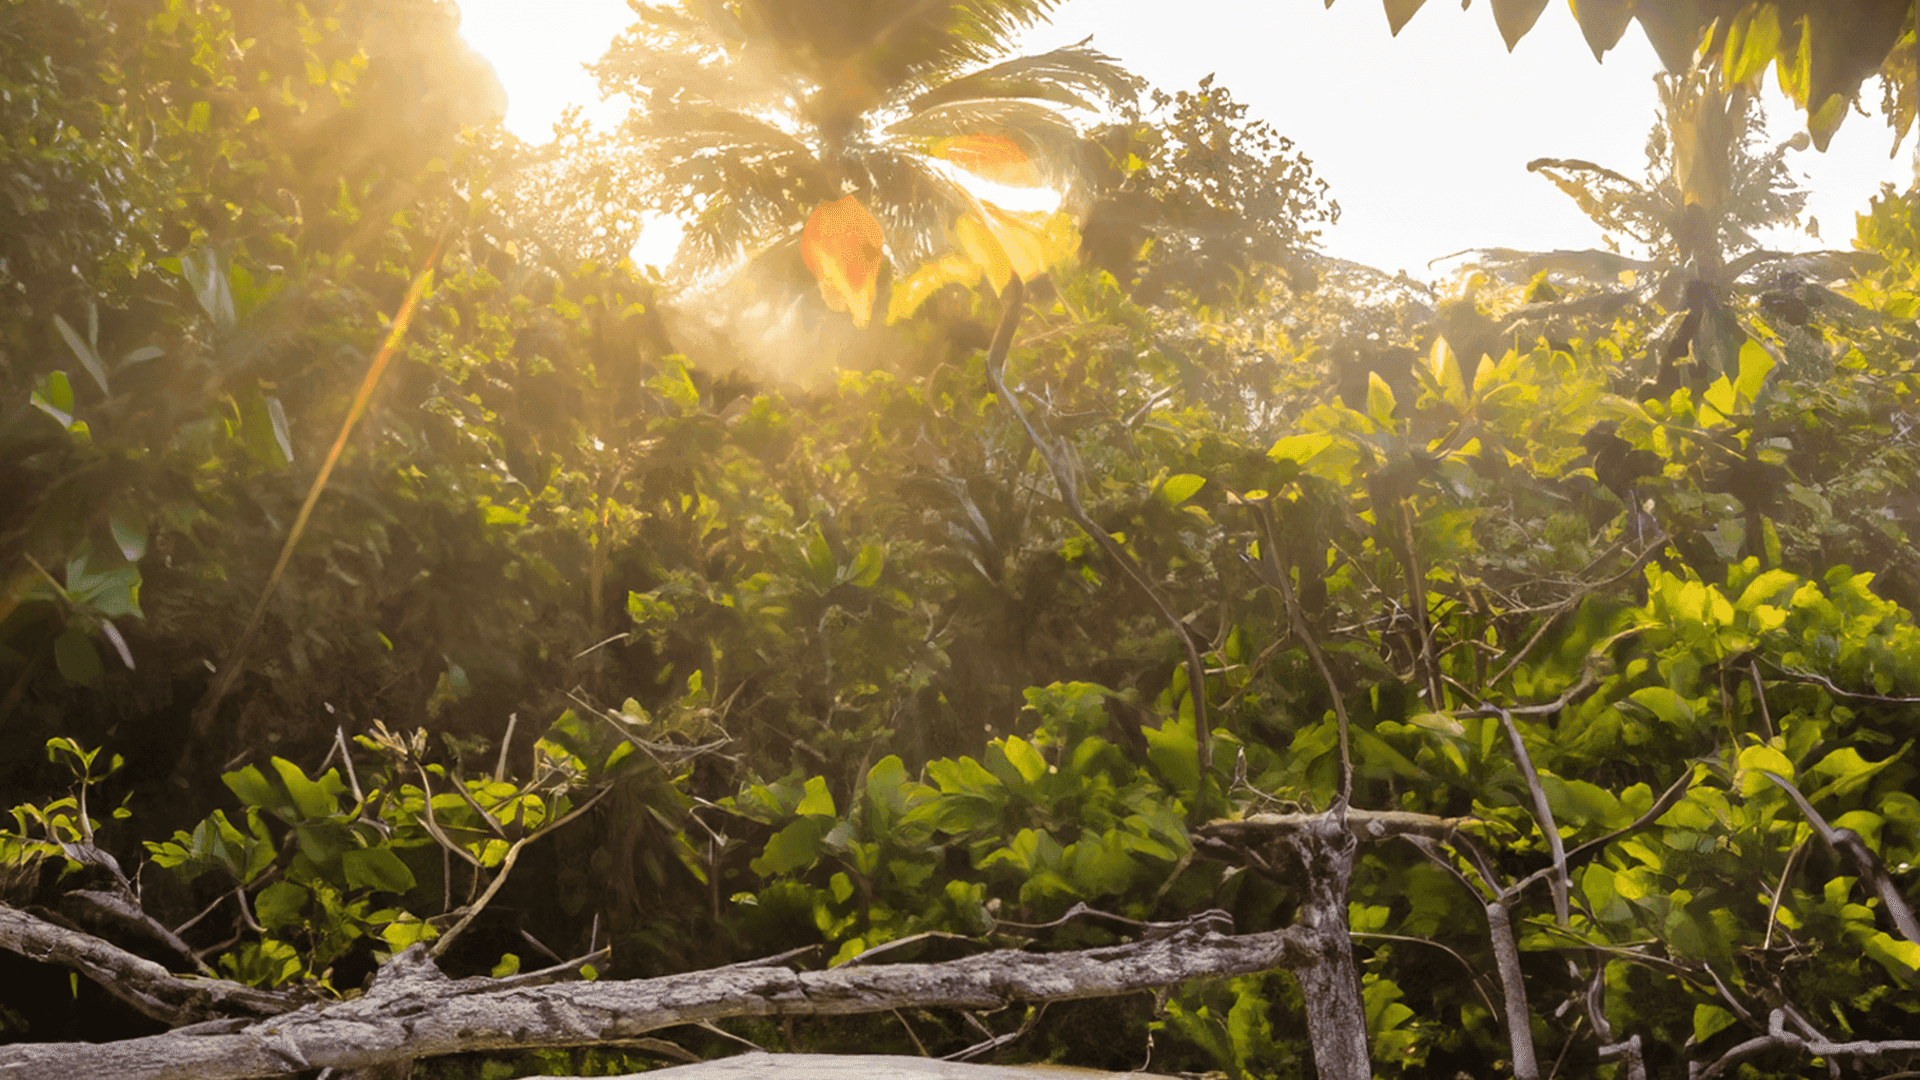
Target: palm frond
1602, 267
1075, 76
699, 125
670, 55
981, 28
1612, 201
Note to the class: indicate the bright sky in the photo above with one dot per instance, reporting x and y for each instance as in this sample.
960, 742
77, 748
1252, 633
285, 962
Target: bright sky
1424, 137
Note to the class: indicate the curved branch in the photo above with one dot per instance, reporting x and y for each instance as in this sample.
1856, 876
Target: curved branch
141, 983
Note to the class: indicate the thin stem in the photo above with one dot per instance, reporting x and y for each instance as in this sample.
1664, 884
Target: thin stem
1297, 619
1070, 492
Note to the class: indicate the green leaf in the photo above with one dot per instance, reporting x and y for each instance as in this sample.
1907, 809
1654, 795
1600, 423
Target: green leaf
55, 397
84, 351
1754, 762
312, 800
1667, 706
1709, 1020
131, 538
1181, 487
1901, 958
1380, 403
866, 567
792, 848
817, 801
1300, 449
74, 655
281, 904
1438, 722
1721, 397
1755, 365
889, 792
264, 439
376, 868
1024, 758
675, 385
1174, 750
1850, 771
1751, 44
819, 558
210, 287
251, 787
1766, 587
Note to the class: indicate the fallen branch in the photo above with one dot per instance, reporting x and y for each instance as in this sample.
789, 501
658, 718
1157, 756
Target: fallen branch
413, 1011
141, 983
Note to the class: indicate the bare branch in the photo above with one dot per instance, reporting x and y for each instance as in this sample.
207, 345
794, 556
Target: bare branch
414, 1011
1778, 1038
141, 983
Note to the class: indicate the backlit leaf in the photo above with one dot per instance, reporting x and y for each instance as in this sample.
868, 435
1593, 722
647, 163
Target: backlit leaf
1178, 489
1516, 17
1399, 11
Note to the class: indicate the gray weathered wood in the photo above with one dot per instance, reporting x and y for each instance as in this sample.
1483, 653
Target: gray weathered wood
413, 1010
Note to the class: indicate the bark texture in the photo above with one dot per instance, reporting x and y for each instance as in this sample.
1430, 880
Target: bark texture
412, 1010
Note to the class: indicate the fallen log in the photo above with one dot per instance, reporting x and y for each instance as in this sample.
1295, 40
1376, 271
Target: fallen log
412, 1010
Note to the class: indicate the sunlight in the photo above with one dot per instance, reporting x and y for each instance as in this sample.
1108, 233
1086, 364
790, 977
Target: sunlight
1364, 133
1043, 200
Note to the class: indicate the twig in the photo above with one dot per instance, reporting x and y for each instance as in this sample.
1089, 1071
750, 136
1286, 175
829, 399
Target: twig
1477, 979
445, 940
1812, 677
506, 741
1778, 1038
1760, 699
1270, 555
1779, 892
996, 1041
1569, 604
917, 1044
1063, 478
1674, 793
1542, 812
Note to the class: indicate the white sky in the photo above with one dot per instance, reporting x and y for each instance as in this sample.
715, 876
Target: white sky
1424, 138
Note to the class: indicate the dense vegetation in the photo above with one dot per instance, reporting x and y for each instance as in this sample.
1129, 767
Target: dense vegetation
384, 559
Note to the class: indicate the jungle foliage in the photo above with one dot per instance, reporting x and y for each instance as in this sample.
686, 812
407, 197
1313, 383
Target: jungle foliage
585, 642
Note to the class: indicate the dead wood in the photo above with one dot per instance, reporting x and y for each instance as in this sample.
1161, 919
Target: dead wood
412, 1010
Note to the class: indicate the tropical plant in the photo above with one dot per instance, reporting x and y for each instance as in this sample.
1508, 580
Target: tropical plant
1218, 195
1159, 648
774, 132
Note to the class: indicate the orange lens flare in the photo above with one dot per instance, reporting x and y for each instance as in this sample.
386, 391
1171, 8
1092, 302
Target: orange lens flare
843, 247
994, 158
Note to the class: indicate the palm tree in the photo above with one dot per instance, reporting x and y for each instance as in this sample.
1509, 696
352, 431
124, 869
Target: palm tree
835, 127
1709, 186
